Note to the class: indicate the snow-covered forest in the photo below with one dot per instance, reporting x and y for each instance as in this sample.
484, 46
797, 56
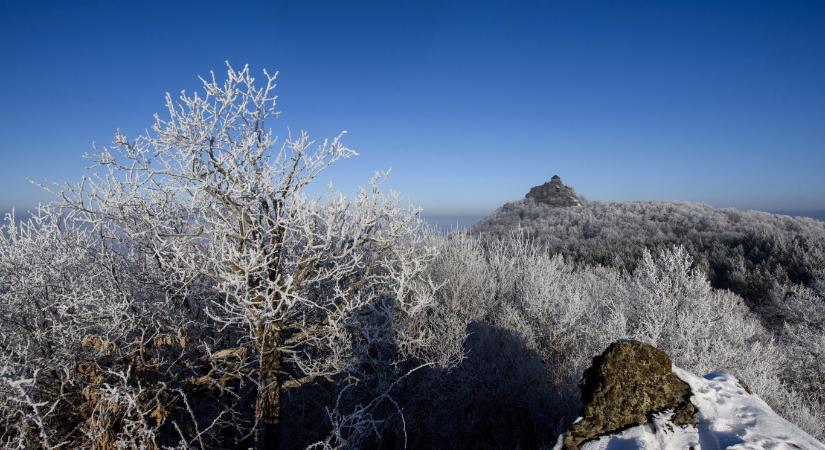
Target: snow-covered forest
190, 293
755, 254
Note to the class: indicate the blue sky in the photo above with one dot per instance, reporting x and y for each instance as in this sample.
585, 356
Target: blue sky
470, 103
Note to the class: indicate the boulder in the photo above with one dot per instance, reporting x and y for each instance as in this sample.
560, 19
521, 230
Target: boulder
624, 387
554, 193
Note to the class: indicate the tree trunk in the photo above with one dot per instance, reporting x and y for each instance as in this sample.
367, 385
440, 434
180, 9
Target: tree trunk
268, 402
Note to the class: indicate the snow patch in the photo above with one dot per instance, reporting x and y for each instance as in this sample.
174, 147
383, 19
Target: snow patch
661, 434
728, 418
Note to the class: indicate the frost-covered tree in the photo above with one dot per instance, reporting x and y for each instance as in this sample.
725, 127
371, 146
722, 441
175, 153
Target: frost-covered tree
268, 284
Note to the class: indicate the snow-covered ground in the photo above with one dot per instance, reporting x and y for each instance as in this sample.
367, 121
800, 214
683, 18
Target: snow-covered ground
728, 417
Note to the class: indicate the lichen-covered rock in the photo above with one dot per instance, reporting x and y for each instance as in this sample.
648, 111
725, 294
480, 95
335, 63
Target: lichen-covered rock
554, 193
624, 387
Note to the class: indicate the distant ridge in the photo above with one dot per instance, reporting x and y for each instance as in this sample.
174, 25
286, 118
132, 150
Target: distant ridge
819, 215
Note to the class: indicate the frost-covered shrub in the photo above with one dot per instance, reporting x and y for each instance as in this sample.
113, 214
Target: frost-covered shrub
803, 341
94, 348
566, 314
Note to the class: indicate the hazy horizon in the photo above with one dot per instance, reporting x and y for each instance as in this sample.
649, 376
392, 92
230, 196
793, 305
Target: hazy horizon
446, 221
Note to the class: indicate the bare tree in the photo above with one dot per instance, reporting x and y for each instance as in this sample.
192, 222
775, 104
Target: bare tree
288, 280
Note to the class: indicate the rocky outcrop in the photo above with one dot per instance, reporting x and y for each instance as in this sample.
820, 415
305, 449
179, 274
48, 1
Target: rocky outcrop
554, 193
626, 386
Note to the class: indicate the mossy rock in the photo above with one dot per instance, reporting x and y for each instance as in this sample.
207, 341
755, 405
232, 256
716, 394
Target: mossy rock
624, 387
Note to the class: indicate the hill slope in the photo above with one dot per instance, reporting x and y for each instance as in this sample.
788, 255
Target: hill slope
754, 254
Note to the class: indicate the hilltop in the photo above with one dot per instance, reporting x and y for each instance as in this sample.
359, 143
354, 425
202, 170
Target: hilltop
754, 254
554, 193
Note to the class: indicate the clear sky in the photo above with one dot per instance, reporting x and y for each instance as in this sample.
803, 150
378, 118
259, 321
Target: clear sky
469, 103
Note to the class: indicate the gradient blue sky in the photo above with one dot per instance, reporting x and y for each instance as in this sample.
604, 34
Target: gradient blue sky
469, 103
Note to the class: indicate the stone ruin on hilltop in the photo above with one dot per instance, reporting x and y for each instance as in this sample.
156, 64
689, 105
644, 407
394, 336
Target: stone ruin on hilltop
554, 193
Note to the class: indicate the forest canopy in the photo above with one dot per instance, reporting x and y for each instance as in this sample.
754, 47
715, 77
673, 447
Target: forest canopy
752, 253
